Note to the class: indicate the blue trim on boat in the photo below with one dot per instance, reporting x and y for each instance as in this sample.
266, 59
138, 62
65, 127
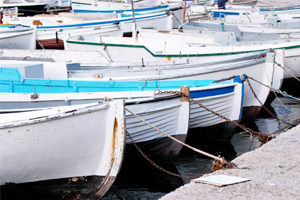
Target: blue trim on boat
101, 22
13, 26
93, 10
239, 80
223, 13
211, 92
12, 82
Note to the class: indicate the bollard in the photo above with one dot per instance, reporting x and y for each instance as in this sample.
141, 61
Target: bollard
185, 90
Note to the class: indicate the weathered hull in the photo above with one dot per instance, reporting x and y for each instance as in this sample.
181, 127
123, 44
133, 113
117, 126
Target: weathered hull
65, 188
250, 112
63, 152
168, 115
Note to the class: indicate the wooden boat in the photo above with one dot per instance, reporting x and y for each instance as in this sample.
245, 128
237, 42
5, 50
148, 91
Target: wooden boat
52, 30
177, 8
283, 9
69, 152
220, 97
17, 37
108, 7
164, 49
24, 8
259, 65
167, 112
84, 58
248, 35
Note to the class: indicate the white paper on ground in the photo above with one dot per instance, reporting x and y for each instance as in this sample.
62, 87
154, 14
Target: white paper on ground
220, 180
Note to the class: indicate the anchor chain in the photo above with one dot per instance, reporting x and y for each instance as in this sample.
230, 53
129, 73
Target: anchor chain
158, 167
283, 93
224, 79
251, 88
218, 163
263, 138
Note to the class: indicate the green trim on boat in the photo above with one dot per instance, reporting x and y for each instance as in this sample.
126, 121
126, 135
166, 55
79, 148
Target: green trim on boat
177, 55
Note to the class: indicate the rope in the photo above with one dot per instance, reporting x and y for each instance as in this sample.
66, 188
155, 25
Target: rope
40, 44
192, 148
287, 71
158, 167
283, 93
224, 79
280, 101
262, 105
263, 138
177, 19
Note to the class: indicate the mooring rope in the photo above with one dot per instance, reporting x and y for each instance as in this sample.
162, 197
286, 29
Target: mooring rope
262, 105
287, 71
283, 93
158, 167
194, 149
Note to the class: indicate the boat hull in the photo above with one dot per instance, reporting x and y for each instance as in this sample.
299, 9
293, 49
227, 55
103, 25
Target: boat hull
22, 40
221, 132
62, 153
28, 10
65, 188
168, 115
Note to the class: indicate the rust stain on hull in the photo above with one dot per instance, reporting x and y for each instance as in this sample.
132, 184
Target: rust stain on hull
108, 180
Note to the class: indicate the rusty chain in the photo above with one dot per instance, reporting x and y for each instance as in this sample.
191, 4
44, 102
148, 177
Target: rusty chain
263, 138
262, 105
283, 93
158, 167
224, 79
217, 163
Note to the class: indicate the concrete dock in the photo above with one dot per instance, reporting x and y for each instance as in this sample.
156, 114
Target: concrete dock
273, 170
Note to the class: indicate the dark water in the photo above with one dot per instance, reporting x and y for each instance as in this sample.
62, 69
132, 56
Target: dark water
144, 181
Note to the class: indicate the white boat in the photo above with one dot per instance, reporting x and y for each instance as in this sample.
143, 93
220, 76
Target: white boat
84, 58
17, 37
24, 7
164, 48
124, 8
166, 112
247, 35
52, 30
177, 8
62, 152
259, 65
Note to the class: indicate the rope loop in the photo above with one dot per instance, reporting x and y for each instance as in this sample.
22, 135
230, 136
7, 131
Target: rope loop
222, 164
